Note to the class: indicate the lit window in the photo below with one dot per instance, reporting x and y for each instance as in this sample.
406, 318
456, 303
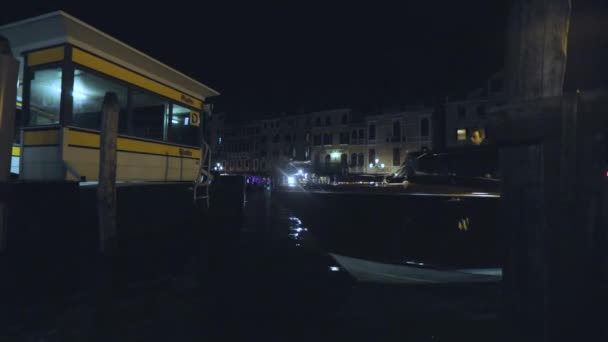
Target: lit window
461, 134
180, 130
149, 115
45, 97
89, 93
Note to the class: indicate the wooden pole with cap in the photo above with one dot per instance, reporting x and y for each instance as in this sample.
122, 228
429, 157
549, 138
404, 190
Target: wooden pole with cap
106, 191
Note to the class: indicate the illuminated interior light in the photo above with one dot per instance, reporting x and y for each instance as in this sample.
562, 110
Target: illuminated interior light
371, 165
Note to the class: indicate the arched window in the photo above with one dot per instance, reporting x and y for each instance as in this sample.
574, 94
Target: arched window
353, 159
317, 159
360, 160
327, 161
344, 160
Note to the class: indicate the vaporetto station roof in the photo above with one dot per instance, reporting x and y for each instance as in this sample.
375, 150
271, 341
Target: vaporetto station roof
61, 28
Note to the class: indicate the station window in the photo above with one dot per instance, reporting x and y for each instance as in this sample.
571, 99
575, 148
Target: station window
88, 94
181, 130
150, 115
45, 97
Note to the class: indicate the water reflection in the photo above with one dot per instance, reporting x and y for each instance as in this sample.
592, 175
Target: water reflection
296, 231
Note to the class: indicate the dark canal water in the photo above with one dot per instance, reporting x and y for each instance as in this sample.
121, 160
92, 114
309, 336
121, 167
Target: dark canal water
259, 272
443, 231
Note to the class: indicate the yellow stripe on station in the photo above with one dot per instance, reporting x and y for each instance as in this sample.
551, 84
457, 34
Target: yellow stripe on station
91, 140
16, 151
111, 69
41, 137
46, 56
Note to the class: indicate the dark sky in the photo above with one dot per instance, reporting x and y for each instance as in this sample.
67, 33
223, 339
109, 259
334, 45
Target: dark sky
271, 57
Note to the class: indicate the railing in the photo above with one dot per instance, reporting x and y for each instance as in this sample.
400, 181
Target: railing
204, 177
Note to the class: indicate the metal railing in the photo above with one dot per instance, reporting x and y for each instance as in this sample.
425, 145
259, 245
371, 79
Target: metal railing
204, 177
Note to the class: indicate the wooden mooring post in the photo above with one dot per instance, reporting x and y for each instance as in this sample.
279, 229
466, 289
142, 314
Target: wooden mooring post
106, 191
9, 68
554, 187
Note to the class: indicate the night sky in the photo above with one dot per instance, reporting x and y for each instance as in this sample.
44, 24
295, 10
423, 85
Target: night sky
272, 57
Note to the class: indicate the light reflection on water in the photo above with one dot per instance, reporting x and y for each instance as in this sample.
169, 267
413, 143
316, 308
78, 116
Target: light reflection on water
295, 229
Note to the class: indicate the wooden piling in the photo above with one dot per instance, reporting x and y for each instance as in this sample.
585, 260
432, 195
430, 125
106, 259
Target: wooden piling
553, 190
106, 191
9, 68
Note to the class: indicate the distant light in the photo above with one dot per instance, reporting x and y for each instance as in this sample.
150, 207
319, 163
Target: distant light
371, 165
382, 165
175, 121
306, 175
334, 268
479, 193
187, 121
291, 181
414, 263
377, 161
300, 171
335, 155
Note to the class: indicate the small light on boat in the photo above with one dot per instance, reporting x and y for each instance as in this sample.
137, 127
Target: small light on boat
334, 268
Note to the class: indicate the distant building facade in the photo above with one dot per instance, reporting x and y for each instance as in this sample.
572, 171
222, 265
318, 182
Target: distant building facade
466, 120
261, 146
376, 144
331, 142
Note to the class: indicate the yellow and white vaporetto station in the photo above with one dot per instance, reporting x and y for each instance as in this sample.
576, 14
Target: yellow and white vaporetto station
67, 67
